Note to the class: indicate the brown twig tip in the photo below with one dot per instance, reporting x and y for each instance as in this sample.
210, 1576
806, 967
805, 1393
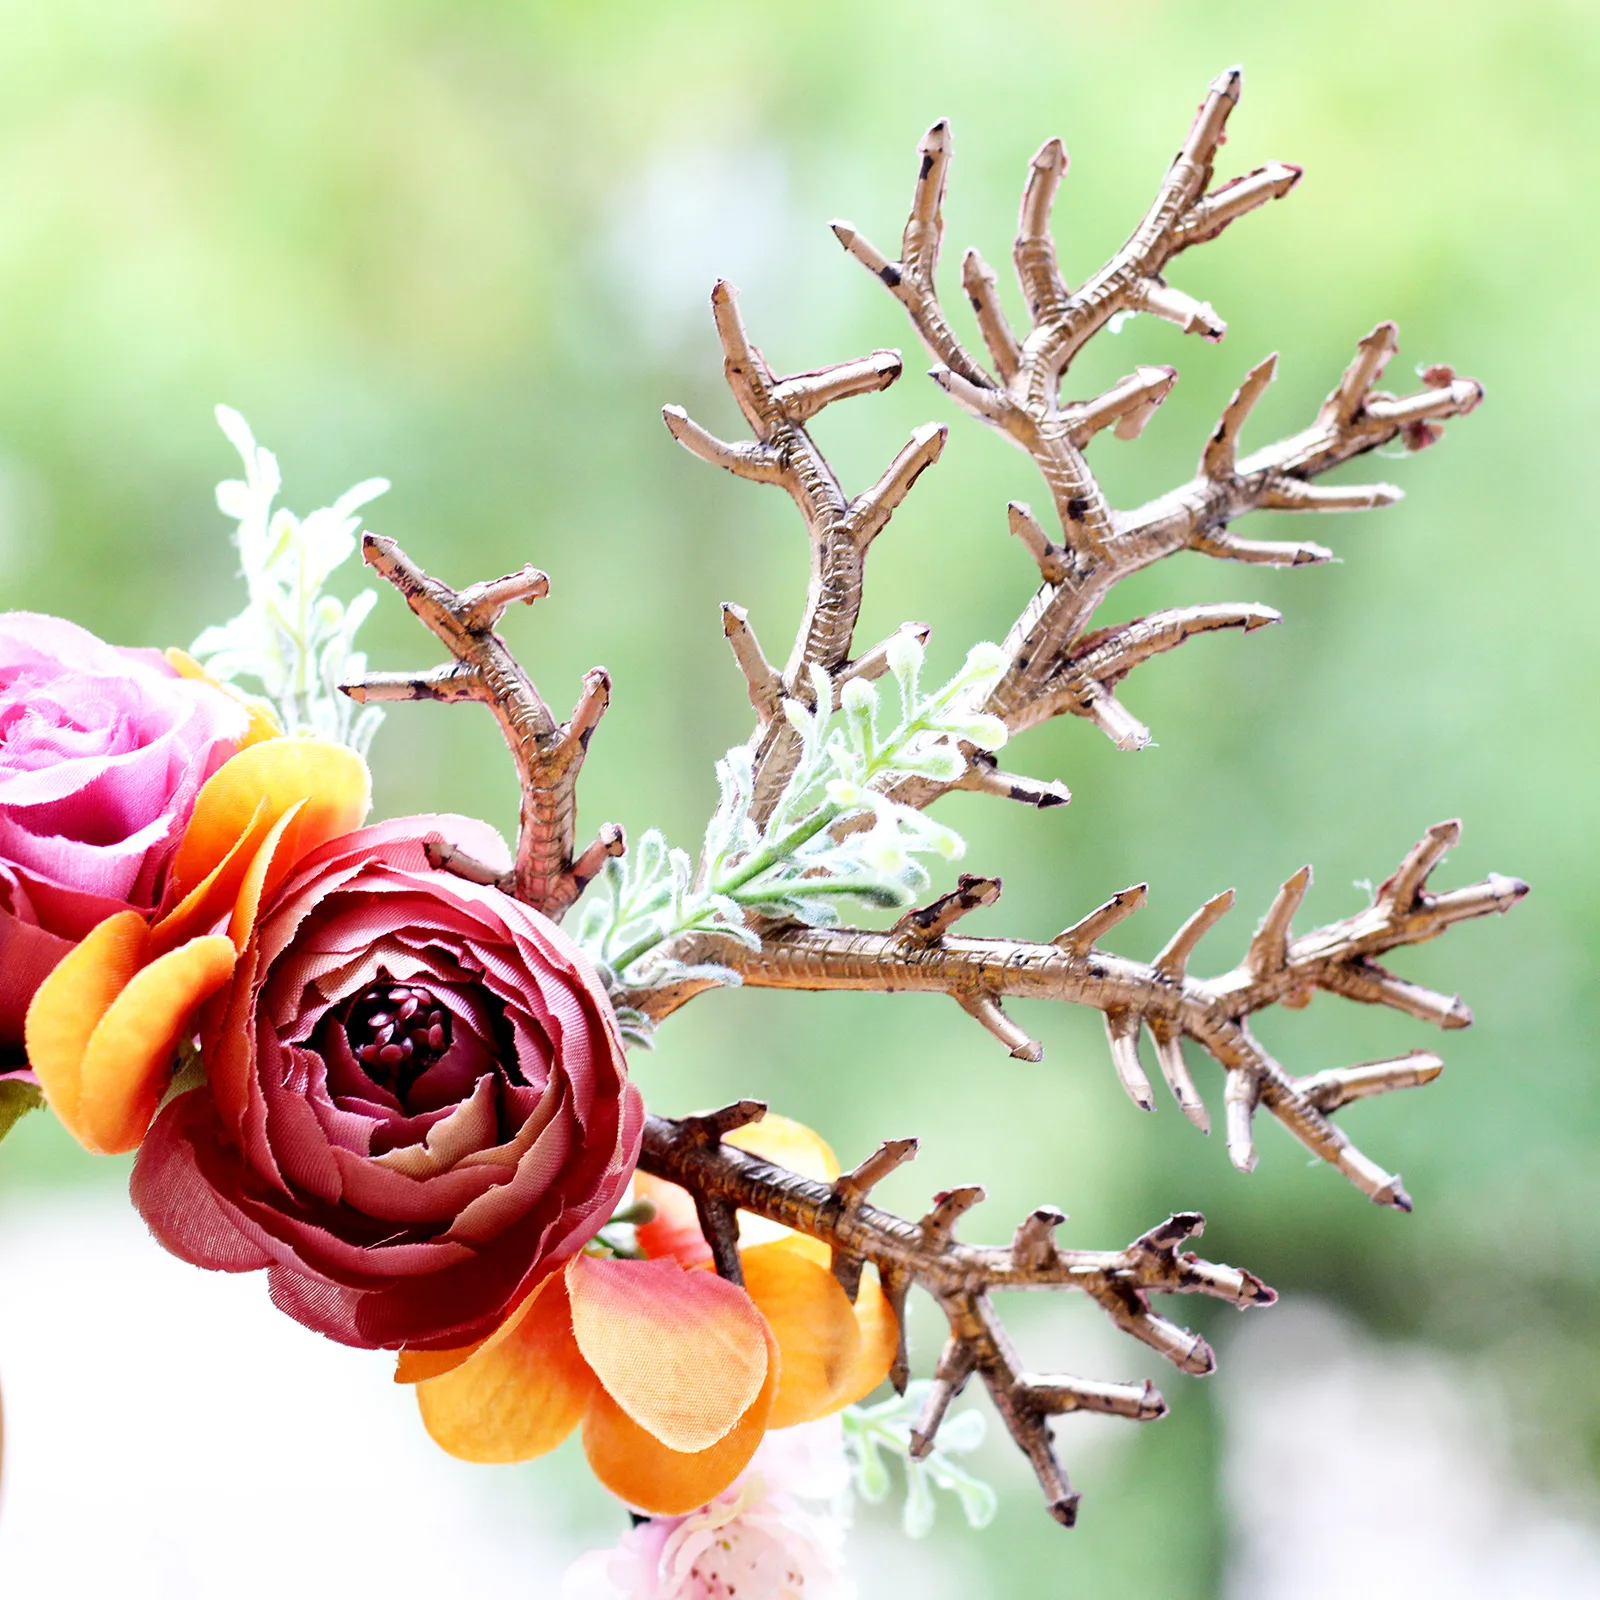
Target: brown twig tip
548, 755
709, 1127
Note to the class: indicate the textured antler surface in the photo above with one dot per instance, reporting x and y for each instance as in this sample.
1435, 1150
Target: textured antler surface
841, 530
961, 1277
548, 754
1160, 996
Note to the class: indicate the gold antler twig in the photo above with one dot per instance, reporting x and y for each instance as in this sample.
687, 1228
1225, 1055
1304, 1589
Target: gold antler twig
1054, 667
841, 529
920, 954
548, 754
962, 1278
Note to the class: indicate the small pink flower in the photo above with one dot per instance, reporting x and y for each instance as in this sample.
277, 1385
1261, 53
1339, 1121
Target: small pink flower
102, 752
758, 1539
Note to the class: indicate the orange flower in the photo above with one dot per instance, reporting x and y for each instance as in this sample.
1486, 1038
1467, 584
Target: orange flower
103, 1027
673, 1374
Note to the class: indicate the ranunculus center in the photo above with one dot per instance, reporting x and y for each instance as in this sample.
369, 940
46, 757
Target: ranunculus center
397, 1031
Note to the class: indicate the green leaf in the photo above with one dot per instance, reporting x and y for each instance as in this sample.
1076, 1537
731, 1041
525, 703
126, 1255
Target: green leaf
17, 1098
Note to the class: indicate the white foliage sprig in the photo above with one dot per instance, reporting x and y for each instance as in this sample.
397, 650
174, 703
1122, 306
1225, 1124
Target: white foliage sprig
295, 640
796, 866
873, 1432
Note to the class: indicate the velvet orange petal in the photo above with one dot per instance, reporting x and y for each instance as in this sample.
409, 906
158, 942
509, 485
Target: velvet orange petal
210, 899
815, 1325
331, 778
684, 1354
880, 1339
127, 1063
638, 1468
68, 1006
674, 1231
521, 1393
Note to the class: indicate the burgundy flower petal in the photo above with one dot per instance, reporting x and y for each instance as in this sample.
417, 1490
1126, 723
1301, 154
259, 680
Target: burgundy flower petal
418, 1099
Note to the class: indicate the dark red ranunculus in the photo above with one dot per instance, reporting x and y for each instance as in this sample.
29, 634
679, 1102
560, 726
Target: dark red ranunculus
417, 1100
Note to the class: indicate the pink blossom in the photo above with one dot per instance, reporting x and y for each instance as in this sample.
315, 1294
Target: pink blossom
102, 752
759, 1539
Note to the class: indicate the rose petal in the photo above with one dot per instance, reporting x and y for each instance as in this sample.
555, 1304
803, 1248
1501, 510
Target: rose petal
815, 1325
521, 1393
128, 1061
684, 1354
70, 1003
637, 1467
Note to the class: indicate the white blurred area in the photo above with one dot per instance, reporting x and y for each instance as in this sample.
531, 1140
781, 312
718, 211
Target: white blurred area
1357, 1468
168, 1435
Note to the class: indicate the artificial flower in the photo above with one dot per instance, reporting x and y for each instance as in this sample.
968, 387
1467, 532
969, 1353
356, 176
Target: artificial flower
102, 754
417, 1103
776, 1534
673, 1374
104, 1027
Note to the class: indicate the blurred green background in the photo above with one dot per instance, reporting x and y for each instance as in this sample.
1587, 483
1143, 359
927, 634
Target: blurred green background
468, 246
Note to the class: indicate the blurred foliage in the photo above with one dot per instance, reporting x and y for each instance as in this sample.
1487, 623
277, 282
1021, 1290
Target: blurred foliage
468, 246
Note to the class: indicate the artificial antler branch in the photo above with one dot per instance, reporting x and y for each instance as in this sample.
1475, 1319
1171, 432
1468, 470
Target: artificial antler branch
548, 754
1341, 958
841, 529
962, 1277
1052, 666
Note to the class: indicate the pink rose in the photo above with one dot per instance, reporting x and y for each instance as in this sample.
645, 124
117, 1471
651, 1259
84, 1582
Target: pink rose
102, 752
417, 1107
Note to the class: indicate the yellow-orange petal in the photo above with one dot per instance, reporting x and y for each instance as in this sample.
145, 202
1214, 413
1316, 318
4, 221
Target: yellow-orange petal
264, 722
214, 896
684, 1354
67, 1008
127, 1063
521, 1393
880, 1338
788, 1143
815, 1325
269, 865
638, 1468
331, 778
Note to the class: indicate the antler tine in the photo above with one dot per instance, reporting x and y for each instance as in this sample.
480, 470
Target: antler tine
962, 1277
1340, 958
548, 755
1035, 252
840, 529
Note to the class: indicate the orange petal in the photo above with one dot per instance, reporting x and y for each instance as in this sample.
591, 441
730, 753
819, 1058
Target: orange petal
521, 1393
815, 1325
684, 1354
128, 1062
269, 865
330, 778
880, 1338
636, 1466
68, 1006
264, 722
210, 899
